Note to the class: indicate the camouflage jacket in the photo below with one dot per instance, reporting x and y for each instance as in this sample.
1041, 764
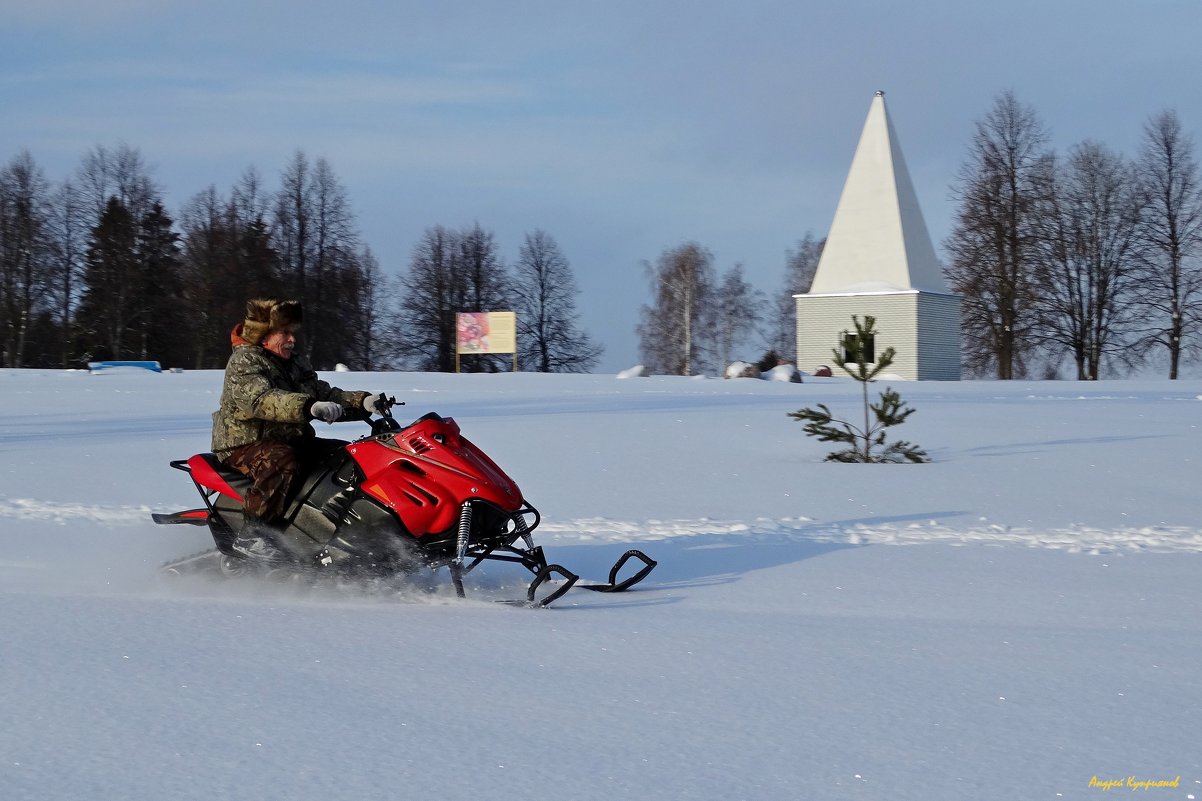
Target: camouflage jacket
267, 398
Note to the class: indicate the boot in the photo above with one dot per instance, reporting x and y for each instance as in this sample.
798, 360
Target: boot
253, 541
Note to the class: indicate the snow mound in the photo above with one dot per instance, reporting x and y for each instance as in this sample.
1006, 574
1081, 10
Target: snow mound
783, 372
741, 370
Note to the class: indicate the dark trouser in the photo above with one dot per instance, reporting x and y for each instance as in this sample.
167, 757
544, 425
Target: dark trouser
274, 467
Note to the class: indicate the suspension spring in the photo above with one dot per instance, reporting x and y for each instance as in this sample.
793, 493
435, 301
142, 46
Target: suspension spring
520, 526
465, 532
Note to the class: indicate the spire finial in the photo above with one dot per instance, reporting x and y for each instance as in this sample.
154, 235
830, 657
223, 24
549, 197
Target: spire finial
880, 92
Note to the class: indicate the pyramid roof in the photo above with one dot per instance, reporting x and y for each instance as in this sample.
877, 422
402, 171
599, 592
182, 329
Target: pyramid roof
878, 241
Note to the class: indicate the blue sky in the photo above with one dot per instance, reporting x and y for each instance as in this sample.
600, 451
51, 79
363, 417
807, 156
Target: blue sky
621, 128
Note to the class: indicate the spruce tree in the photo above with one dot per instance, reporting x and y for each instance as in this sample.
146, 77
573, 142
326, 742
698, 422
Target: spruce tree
162, 325
112, 277
866, 444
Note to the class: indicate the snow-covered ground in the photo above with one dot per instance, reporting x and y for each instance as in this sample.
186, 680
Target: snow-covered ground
1017, 620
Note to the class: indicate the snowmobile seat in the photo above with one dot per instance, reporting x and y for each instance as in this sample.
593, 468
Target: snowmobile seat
211, 473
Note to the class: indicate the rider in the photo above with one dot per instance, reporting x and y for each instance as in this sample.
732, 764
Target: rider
262, 426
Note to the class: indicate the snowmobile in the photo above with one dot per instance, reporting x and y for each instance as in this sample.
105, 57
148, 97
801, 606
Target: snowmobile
397, 502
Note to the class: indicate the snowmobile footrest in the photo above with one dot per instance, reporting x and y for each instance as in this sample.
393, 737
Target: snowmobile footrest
192, 517
618, 586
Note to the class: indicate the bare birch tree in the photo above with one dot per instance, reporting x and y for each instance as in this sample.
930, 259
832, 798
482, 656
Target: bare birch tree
1091, 246
25, 263
738, 311
1169, 294
118, 172
676, 332
67, 229
994, 244
544, 290
801, 264
450, 272
315, 236
369, 326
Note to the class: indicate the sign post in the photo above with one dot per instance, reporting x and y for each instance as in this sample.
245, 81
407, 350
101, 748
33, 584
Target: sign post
486, 332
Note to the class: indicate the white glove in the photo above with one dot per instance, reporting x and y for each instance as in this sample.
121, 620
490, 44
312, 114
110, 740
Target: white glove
369, 403
326, 410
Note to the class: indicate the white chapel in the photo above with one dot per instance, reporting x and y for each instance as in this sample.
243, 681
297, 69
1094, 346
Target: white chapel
879, 261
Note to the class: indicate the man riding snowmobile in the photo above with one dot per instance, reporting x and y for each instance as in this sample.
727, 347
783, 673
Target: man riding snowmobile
262, 426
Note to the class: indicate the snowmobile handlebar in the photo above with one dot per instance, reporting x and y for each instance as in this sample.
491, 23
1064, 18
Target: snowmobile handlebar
384, 423
385, 403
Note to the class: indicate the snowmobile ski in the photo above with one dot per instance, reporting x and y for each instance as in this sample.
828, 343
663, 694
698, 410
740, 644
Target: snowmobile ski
620, 586
202, 562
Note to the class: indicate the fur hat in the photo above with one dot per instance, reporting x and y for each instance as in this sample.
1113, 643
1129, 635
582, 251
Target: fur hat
264, 315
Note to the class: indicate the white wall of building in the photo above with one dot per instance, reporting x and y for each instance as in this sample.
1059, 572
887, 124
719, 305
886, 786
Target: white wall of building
927, 352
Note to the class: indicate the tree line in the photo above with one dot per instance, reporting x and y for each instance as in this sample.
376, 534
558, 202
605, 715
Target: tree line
95, 268
699, 320
1090, 258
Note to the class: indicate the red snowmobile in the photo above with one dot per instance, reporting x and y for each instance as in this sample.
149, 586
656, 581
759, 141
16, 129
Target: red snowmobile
395, 502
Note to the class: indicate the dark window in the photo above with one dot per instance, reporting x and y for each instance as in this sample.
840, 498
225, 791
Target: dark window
851, 344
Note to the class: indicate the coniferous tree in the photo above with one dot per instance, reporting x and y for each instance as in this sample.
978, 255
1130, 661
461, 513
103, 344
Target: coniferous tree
317, 243
864, 444
163, 324
258, 260
112, 277
132, 308
212, 285
227, 257
115, 184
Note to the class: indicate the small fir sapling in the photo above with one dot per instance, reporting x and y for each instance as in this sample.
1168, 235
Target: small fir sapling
867, 444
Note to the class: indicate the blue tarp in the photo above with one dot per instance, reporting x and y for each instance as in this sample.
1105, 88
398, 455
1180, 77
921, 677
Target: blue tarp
94, 366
